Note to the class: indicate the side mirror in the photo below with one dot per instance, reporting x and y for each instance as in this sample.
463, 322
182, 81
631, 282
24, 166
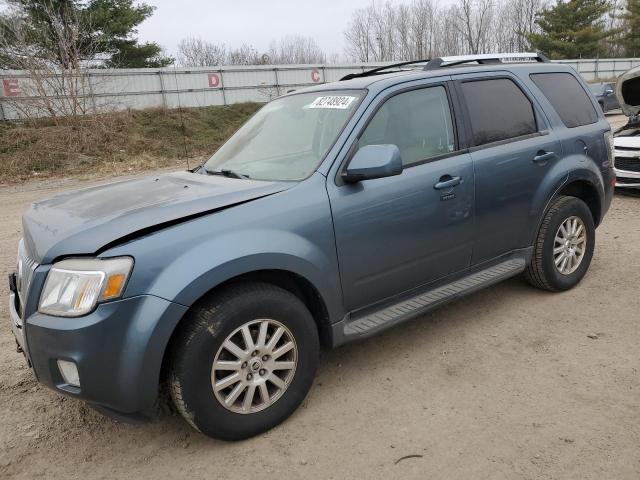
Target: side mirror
373, 161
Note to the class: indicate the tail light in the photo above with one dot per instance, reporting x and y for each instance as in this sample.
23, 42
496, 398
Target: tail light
608, 141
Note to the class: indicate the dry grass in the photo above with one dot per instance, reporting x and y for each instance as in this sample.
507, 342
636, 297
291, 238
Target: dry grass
116, 143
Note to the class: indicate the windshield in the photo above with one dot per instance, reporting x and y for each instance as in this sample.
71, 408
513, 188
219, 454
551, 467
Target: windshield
288, 138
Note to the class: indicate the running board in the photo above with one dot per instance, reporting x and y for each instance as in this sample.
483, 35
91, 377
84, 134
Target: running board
379, 320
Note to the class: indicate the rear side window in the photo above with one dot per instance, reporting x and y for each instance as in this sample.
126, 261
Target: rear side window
568, 98
498, 110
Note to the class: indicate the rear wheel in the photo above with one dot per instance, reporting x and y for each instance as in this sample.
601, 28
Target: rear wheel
244, 361
564, 246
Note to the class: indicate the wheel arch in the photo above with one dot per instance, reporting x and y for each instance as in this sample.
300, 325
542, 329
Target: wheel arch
293, 282
576, 176
588, 193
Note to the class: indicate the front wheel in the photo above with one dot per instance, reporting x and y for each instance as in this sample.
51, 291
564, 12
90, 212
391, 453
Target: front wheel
244, 361
564, 246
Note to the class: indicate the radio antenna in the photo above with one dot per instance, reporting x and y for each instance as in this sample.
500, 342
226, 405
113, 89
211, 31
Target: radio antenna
182, 126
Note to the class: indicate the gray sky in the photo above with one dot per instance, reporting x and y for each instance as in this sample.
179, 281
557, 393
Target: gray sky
235, 22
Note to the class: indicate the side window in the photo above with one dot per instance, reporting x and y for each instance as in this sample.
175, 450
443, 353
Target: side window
568, 98
498, 110
419, 122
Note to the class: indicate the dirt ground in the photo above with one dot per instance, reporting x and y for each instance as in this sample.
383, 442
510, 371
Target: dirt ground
509, 383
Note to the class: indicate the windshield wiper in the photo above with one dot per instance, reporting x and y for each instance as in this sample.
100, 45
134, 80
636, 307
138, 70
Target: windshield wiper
225, 172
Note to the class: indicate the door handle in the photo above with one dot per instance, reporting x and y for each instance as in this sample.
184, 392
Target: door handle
447, 181
543, 156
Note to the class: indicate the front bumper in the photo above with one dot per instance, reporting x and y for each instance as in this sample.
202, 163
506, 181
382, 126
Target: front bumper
118, 350
627, 179
16, 326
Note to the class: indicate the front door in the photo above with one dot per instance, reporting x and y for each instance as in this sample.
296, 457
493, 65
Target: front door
397, 233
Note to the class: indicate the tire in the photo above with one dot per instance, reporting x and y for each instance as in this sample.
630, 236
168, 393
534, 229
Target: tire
542, 271
199, 343
602, 107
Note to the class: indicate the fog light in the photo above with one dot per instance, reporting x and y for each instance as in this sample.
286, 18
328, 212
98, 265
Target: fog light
69, 372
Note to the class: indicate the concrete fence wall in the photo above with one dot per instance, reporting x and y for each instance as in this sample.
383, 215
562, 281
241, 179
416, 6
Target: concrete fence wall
121, 89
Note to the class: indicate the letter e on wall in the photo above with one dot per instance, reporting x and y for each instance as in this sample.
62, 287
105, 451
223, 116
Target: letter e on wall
10, 87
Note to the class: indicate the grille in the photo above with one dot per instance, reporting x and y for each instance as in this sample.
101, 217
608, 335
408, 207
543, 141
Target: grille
627, 181
628, 164
26, 269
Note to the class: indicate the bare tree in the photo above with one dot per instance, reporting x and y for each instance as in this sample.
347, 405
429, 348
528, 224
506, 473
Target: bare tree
472, 21
246, 55
57, 83
426, 28
295, 49
615, 21
196, 52
358, 37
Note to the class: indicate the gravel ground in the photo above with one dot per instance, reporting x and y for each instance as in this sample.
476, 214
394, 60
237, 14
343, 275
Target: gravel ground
508, 383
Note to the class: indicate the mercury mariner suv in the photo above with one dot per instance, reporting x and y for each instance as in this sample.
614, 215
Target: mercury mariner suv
334, 213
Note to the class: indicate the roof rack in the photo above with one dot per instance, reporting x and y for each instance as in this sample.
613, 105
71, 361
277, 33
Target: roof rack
444, 62
380, 70
483, 59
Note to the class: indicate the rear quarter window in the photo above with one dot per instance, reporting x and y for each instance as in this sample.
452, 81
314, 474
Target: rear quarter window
567, 97
498, 110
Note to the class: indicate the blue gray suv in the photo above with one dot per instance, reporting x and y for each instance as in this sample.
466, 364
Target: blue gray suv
334, 213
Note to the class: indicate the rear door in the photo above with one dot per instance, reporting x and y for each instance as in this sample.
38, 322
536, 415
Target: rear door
512, 149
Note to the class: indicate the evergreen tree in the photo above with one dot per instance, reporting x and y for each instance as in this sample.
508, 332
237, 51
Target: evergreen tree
572, 29
101, 29
631, 36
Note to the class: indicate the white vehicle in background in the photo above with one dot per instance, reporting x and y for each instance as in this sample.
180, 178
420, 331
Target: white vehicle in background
627, 139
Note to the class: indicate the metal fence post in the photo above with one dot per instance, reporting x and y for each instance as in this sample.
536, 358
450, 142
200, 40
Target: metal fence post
162, 92
275, 72
91, 93
222, 88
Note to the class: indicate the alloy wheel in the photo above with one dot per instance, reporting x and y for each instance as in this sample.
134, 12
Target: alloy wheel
570, 245
254, 366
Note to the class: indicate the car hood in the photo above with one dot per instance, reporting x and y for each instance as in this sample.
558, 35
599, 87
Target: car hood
628, 92
86, 221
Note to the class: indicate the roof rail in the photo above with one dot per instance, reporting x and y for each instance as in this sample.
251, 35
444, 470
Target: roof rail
482, 59
380, 70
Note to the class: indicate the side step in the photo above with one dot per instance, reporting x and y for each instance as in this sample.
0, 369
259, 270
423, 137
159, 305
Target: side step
390, 315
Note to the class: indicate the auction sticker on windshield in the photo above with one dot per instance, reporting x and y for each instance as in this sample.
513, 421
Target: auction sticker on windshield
341, 102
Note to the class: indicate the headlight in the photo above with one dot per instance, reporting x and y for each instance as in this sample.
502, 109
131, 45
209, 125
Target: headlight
75, 286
